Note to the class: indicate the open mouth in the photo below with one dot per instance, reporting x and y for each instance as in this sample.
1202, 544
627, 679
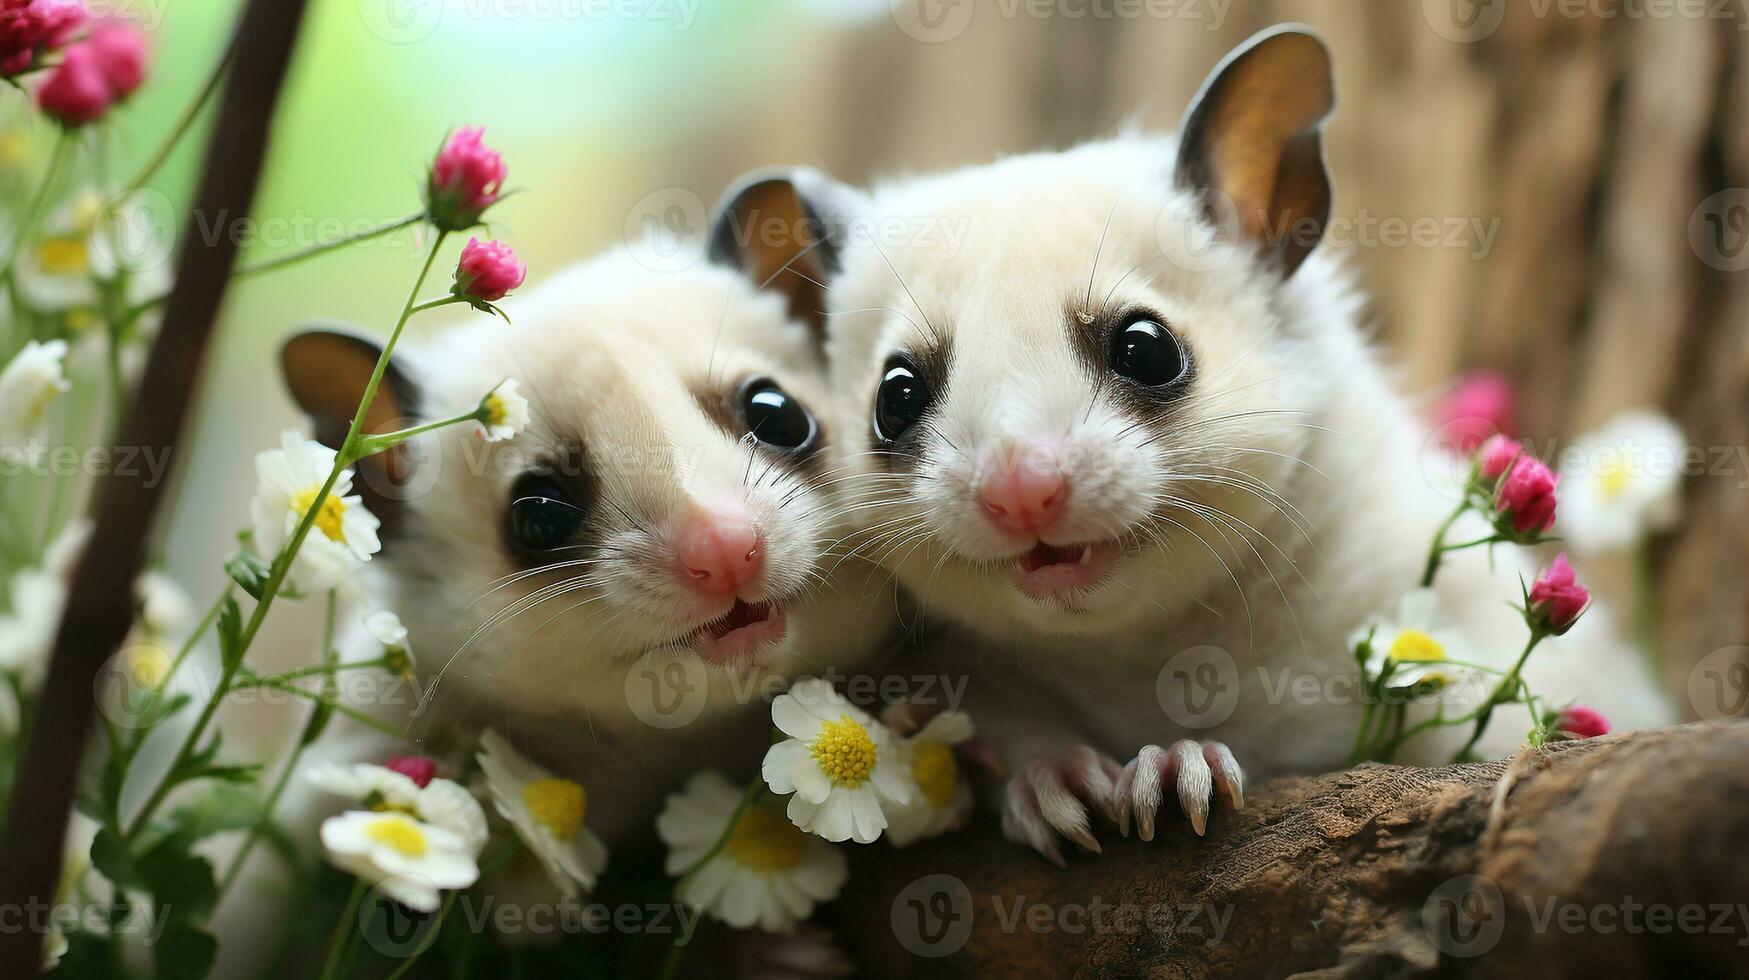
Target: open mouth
744, 630
1050, 570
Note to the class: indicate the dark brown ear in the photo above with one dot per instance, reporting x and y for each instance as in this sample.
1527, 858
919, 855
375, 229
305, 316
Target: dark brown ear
327, 371
1251, 143
784, 229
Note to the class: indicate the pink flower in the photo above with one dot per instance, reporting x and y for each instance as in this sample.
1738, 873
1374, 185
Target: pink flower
465, 180
1582, 722
76, 91
1526, 496
418, 768
1556, 598
121, 54
1481, 405
1498, 453
30, 29
488, 271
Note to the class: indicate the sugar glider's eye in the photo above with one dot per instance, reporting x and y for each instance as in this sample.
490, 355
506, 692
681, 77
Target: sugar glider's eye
901, 399
775, 418
1147, 353
542, 515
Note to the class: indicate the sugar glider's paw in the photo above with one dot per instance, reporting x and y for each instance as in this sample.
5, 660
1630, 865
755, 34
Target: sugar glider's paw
809, 953
1198, 770
1056, 794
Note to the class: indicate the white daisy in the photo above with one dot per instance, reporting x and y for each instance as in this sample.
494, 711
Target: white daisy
442, 803
942, 799
57, 272
288, 481
1622, 482
506, 412
407, 859
768, 874
30, 382
547, 813
28, 630
1417, 642
841, 764
386, 628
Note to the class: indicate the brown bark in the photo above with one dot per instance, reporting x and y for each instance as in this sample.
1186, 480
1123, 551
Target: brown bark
1620, 856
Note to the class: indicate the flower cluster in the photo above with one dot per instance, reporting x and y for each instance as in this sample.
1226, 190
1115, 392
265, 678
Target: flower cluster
32, 30
94, 75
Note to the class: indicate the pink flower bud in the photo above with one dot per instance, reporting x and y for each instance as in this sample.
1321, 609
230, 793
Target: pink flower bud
1498, 453
121, 54
1526, 496
1582, 722
1556, 598
76, 92
465, 180
30, 29
488, 271
1481, 405
418, 768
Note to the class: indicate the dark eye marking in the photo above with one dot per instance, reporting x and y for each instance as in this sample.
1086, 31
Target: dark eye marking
778, 422
1133, 352
912, 383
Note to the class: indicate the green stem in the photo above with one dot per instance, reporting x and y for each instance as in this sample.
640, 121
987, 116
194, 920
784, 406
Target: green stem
1438, 550
317, 697
441, 301
180, 129
330, 656
325, 670
371, 445
283, 561
34, 211
330, 968
157, 694
1356, 755
671, 963
430, 938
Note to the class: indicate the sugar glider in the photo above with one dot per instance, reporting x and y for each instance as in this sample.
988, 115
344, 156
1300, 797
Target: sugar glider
1115, 411
616, 587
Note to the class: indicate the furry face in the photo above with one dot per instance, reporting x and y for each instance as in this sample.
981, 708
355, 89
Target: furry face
663, 500
1067, 424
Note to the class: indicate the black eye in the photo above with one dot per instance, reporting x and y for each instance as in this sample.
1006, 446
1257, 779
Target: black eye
1145, 352
542, 516
775, 418
901, 399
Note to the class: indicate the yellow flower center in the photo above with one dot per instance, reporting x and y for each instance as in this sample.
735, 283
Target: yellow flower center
148, 667
398, 832
844, 751
1613, 476
1414, 646
495, 410
766, 841
936, 773
62, 256
556, 804
328, 519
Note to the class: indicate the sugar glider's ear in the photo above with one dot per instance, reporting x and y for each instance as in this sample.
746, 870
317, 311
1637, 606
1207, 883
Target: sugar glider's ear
1251, 145
327, 370
786, 228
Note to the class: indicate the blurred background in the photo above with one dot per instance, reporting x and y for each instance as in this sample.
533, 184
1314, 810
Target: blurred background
1582, 166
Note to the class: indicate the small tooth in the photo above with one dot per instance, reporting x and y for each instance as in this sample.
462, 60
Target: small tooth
1086, 556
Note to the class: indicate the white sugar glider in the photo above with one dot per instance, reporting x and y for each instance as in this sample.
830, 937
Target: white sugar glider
621, 587
1118, 424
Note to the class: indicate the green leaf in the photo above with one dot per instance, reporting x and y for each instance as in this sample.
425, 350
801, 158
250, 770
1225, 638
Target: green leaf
223, 807
184, 953
181, 882
110, 856
249, 571
230, 633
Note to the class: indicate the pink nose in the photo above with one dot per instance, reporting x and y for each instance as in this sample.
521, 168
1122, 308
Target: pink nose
719, 551
1024, 496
